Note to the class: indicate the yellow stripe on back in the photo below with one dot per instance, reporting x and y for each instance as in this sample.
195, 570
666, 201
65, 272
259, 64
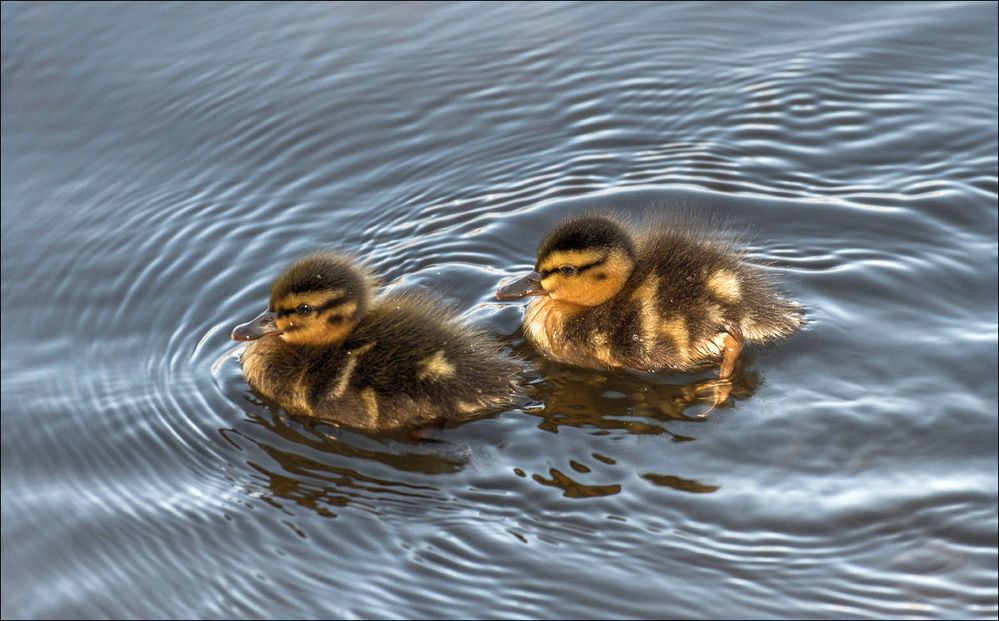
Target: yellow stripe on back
370, 401
725, 286
348, 369
676, 330
647, 295
436, 367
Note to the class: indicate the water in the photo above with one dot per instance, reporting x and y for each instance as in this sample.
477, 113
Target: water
160, 163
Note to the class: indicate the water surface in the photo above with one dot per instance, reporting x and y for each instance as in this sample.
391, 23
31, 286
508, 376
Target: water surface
161, 163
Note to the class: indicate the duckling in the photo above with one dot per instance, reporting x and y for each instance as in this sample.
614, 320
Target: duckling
664, 299
326, 348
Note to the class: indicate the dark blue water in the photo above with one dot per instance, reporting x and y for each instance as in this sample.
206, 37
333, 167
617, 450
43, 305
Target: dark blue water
161, 163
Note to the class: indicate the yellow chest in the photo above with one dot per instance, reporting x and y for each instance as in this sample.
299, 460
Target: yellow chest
544, 323
258, 362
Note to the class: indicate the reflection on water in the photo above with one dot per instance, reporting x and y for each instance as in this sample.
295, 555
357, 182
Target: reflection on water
677, 483
638, 403
600, 402
162, 162
312, 466
575, 489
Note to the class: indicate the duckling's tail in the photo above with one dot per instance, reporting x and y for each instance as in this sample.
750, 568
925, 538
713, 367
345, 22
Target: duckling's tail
776, 320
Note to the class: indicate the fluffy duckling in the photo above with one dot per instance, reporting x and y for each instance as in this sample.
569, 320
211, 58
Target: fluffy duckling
327, 349
665, 299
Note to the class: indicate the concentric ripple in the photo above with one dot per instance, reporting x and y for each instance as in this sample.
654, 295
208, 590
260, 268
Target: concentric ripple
161, 163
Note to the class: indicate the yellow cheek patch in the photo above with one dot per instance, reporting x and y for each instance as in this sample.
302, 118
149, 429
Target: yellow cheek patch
315, 329
346, 309
551, 283
332, 334
436, 367
725, 286
593, 286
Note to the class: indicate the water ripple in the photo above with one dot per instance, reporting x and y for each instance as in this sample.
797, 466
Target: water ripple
161, 163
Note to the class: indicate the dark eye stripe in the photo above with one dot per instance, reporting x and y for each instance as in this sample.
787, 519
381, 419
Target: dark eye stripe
579, 270
328, 304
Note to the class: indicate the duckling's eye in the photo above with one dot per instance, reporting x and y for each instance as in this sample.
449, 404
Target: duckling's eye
304, 309
567, 270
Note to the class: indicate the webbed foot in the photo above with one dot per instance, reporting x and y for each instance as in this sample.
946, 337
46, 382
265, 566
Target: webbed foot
712, 393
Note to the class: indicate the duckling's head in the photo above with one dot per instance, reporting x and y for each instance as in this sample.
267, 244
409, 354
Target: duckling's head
584, 261
317, 300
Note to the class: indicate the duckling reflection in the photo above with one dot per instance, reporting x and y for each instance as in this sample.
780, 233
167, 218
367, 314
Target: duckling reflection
636, 403
572, 487
663, 298
320, 467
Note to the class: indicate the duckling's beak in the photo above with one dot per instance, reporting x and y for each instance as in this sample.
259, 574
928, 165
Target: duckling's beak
261, 325
521, 288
